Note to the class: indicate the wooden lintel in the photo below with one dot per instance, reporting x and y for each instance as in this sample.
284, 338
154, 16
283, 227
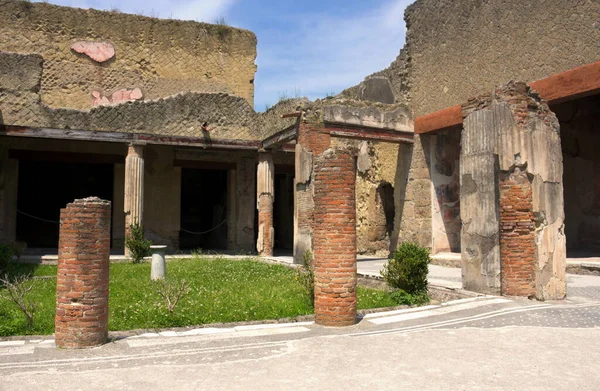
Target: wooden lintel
371, 134
86, 135
447, 118
572, 84
282, 137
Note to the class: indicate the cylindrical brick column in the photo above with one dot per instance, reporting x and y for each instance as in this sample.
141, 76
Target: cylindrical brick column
335, 238
265, 197
82, 278
134, 186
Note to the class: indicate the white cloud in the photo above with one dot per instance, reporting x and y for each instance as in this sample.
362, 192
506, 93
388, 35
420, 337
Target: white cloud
203, 10
329, 53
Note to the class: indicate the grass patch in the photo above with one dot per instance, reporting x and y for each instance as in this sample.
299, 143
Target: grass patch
220, 291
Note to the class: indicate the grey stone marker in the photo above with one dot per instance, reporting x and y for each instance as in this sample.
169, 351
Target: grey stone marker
159, 266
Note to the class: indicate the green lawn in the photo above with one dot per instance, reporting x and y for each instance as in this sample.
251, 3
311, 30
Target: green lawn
220, 291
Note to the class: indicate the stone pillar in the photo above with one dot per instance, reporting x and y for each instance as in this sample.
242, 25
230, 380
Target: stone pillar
265, 196
303, 204
512, 206
82, 277
134, 187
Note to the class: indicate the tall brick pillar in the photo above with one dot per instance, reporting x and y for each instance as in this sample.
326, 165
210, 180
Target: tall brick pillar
82, 278
134, 187
512, 207
327, 169
335, 238
265, 197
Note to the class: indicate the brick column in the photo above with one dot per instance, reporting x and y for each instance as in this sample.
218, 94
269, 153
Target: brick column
134, 187
265, 197
335, 238
82, 278
326, 168
517, 234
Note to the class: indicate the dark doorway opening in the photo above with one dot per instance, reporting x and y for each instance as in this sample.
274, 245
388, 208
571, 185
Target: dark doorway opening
46, 187
283, 212
580, 138
203, 209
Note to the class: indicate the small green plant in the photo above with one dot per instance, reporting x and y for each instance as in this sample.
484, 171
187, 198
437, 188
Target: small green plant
138, 246
172, 292
6, 255
17, 290
407, 272
17, 249
305, 275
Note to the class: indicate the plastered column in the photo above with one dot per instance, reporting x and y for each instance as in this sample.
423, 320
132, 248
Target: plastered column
512, 206
83, 272
134, 187
265, 196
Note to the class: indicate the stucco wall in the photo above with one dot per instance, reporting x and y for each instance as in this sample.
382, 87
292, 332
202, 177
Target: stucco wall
161, 57
460, 49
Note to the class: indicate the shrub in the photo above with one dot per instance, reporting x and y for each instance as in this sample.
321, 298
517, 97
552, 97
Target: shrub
403, 298
18, 289
5, 256
408, 269
171, 292
305, 275
138, 246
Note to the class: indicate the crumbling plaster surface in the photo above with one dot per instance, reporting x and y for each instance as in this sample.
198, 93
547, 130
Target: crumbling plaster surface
514, 128
459, 49
227, 116
445, 205
161, 57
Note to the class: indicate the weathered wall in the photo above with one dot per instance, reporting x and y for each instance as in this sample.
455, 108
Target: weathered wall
21, 78
459, 49
445, 205
160, 57
580, 135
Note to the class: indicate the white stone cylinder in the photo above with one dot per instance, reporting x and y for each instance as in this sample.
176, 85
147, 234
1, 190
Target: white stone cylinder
159, 265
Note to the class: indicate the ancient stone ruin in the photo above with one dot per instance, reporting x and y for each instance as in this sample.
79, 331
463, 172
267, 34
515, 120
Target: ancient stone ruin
480, 139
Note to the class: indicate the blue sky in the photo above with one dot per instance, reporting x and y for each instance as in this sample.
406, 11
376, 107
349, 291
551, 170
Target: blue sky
305, 48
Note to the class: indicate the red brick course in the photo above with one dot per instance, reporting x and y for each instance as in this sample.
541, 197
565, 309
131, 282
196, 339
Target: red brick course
334, 228
517, 235
82, 279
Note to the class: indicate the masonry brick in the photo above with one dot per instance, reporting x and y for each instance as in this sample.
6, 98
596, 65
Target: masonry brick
81, 319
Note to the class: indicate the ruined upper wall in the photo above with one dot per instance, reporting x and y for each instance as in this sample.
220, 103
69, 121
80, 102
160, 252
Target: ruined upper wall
160, 57
226, 116
462, 48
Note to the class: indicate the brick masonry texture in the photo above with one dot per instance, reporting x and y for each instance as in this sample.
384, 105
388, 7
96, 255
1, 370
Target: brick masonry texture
517, 235
334, 228
83, 273
161, 57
